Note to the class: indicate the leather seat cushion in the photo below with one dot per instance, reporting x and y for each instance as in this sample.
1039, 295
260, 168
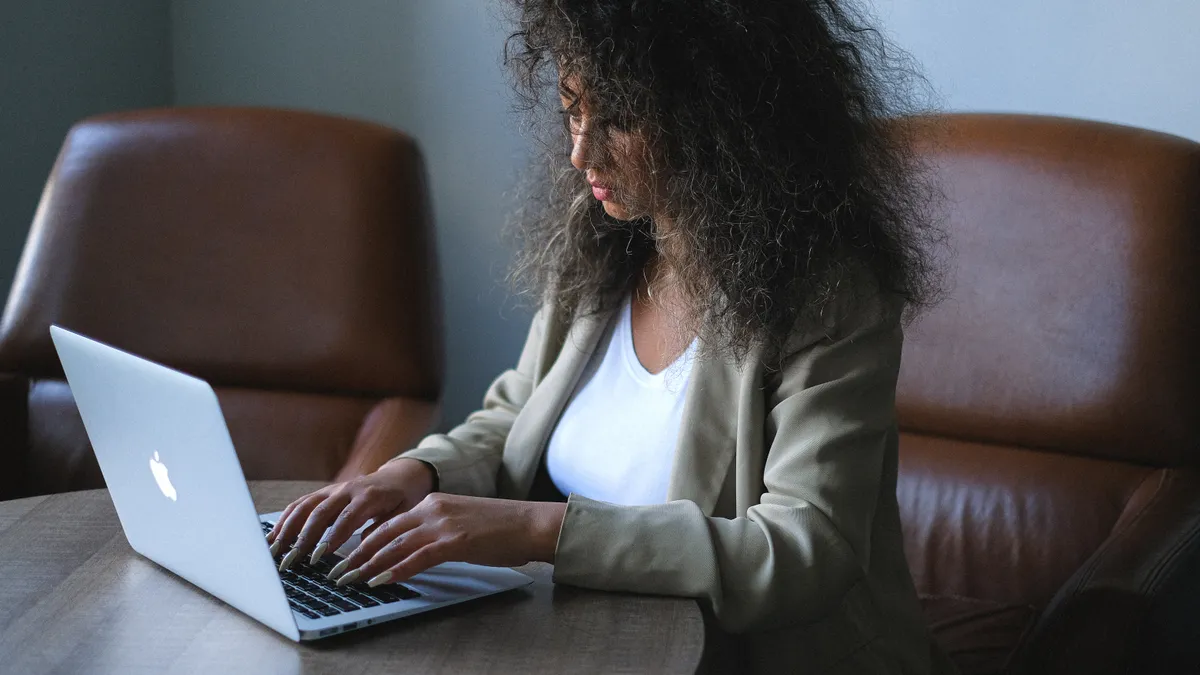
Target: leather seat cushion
980, 636
1001, 524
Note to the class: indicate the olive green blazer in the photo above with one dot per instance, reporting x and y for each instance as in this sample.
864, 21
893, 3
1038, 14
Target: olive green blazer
781, 516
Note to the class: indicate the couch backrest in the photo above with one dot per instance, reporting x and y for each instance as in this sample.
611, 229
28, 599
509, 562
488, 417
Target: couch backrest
1071, 321
1042, 399
286, 257
258, 248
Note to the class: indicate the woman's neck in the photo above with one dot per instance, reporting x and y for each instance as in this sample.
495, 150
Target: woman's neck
658, 315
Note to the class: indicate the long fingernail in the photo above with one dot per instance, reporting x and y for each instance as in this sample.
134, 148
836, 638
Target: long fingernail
380, 579
337, 570
289, 559
318, 552
348, 579
275, 547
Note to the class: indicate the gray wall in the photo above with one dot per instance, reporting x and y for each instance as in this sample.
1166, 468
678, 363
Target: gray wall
1118, 61
429, 68
61, 60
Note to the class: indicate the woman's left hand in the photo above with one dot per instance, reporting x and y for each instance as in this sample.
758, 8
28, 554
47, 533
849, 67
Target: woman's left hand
445, 528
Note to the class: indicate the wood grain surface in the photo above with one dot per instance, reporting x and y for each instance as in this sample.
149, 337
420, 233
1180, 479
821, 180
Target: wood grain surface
74, 598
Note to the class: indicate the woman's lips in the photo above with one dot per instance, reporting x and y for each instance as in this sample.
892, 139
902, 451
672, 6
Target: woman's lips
604, 194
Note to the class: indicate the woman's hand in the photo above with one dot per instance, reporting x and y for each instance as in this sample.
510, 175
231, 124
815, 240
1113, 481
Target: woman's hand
393, 488
444, 528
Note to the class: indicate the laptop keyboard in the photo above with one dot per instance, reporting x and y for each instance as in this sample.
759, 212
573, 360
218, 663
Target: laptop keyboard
310, 594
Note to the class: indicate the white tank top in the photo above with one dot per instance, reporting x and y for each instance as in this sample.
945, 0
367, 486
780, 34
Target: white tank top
615, 441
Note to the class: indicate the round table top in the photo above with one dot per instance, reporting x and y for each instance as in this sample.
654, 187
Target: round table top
75, 598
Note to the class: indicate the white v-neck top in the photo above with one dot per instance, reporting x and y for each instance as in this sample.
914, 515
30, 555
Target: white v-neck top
615, 441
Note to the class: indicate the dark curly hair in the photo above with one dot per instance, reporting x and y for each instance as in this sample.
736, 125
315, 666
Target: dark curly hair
788, 183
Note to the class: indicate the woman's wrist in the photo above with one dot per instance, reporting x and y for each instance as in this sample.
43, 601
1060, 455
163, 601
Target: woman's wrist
413, 474
545, 520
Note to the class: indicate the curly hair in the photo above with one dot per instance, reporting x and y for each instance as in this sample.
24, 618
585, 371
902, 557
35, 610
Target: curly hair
788, 184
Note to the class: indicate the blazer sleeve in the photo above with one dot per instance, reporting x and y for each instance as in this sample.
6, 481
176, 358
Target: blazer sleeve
796, 554
466, 460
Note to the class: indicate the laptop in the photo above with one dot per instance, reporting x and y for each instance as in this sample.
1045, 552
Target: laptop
179, 491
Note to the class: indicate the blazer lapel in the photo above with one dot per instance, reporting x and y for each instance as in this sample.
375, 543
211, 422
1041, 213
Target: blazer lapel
531, 430
708, 432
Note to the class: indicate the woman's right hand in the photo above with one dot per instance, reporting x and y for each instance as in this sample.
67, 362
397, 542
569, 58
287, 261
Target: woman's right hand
337, 510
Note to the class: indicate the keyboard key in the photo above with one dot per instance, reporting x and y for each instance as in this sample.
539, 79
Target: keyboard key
392, 593
310, 602
362, 599
326, 610
344, 605
304, 611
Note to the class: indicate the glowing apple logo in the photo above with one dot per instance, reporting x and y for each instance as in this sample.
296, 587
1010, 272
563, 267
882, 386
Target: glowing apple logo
160, 476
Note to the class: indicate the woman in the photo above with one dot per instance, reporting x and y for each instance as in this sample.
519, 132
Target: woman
723, 269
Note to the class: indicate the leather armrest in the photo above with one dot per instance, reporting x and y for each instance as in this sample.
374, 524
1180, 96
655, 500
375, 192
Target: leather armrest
14, 435
1099, 619
391, 427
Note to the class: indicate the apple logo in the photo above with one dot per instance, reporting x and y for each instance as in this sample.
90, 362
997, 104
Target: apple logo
160, 476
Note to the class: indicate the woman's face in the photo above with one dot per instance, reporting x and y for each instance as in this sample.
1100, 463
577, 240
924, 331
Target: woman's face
615, 162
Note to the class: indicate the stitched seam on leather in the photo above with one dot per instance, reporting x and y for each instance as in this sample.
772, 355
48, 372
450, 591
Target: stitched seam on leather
1099, 556
1153, 585
1170, 554
1088, 571
1150, 464
1011, 658
1155, 578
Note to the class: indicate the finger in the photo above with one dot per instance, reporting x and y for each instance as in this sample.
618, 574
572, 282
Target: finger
430, 555
397, 550
352, 518
367, 531
318, 521
384, 534
287, 511
343, 566
293, 523
274, 533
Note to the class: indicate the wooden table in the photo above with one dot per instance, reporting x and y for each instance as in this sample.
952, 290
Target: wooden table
75, 598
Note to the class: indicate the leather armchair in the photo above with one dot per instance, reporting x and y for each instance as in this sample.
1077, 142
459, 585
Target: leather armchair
286, 257
1049, 405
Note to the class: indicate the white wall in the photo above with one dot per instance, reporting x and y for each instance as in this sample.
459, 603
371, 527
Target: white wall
1132, 62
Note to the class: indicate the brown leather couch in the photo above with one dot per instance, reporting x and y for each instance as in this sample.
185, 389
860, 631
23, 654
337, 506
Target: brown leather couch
1050, 406
286, 257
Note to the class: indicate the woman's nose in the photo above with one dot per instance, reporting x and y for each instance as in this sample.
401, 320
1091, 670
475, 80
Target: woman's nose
581, 146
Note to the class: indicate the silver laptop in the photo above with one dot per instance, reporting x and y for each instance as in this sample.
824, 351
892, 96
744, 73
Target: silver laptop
179, 491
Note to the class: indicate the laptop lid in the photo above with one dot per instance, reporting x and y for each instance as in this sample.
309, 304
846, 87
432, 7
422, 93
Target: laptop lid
173, 475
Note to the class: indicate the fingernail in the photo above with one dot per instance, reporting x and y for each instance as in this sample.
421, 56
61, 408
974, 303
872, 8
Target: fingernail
380, 579
289, 559
348, 579
275, 547
337, 570
318, 552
